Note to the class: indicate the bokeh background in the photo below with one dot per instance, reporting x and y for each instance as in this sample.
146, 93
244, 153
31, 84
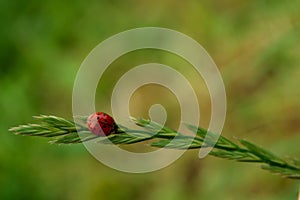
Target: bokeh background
255, 44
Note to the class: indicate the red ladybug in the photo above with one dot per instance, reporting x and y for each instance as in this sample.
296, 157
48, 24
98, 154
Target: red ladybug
101, 124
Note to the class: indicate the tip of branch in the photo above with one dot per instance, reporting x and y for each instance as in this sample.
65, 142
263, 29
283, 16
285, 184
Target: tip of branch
13, 129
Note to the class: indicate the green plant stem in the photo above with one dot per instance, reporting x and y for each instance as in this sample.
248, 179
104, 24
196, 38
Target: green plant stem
62, 131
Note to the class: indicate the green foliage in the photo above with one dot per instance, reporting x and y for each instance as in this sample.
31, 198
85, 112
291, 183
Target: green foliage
63, 131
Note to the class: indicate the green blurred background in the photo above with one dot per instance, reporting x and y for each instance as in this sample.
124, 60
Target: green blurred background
255, 44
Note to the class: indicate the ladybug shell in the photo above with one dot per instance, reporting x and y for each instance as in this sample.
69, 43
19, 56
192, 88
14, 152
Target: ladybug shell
101, 124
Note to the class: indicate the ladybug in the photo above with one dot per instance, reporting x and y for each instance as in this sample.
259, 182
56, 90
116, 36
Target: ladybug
101, 124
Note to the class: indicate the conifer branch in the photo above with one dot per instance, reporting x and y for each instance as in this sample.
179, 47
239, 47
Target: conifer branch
62, 131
